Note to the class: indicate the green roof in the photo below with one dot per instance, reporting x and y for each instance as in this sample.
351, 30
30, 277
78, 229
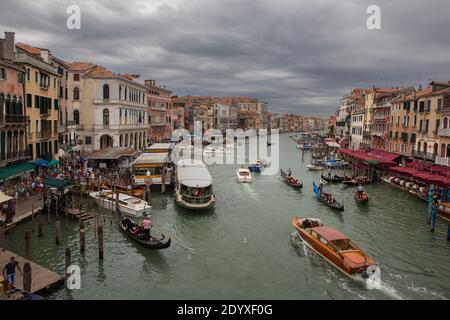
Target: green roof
57, 183
16, 170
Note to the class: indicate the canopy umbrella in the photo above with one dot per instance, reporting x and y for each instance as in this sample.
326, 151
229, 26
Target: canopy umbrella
41, 163
53, 163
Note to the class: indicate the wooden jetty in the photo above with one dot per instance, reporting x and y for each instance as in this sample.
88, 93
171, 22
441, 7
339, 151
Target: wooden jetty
80, 215
42, 278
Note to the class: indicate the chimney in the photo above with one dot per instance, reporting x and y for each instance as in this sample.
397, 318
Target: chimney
7, 46
45, 55
150, 83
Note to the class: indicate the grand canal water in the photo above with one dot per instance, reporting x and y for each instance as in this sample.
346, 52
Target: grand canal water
243, 249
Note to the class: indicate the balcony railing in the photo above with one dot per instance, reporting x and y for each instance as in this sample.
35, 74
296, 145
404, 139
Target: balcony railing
423, 155
444, 132
44, 135
443, 161
14, 119
18, 155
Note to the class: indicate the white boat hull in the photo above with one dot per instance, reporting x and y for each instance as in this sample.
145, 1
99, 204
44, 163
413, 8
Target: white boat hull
130, 210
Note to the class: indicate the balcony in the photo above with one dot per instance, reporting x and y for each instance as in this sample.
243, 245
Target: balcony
43, 86
378, 134
44, 135
444, 132
443, 161
14, 119
423, 155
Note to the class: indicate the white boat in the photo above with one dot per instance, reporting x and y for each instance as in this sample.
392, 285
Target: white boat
244, 175
193, 185
128, 205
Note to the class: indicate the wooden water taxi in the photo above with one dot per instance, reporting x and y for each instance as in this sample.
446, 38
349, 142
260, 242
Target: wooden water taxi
337, 249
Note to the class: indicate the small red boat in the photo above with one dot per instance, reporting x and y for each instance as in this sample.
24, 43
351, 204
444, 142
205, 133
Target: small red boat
361, 197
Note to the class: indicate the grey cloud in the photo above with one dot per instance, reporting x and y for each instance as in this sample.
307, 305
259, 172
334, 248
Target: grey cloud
300, 56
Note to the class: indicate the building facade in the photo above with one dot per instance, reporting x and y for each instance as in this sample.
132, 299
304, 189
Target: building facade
106, 109
159, 104
41, 96
13, 118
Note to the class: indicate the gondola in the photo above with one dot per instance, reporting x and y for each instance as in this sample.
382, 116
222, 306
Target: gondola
355, 181
323, 197
126, 225
297, 184
334, 179
363, 199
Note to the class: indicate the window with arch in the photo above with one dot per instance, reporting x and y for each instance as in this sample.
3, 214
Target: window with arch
106, 91
105, 117
2, 102
76, 94
445, 123
120, 92
76, 117
8, 104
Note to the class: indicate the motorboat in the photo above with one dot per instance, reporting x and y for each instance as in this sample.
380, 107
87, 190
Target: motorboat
128, 205
313, 167
193, 185
338, 250
255, 166
244, 175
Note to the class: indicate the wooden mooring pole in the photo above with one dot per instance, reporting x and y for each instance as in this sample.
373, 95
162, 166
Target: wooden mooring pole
57, 229
100, 241
27, 278
68, 261
40, 222
28, 245
2, 235
48, 208
32, 218
82, 237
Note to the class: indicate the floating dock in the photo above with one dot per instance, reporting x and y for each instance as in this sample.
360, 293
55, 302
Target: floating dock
42, 278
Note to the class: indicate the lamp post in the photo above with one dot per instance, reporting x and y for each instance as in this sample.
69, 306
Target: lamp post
148, 182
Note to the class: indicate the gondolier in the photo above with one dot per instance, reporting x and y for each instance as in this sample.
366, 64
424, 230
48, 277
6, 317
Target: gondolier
147, 225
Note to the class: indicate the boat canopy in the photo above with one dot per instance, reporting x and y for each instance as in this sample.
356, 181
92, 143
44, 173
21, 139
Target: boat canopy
193, 173
329, 234
151, 158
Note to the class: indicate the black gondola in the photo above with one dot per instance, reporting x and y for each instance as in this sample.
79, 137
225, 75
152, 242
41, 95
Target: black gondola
127, 226
334, 179
294, 184
335, 205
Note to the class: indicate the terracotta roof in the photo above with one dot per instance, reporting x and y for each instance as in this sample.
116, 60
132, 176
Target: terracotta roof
99, 71
81, 66
29, 49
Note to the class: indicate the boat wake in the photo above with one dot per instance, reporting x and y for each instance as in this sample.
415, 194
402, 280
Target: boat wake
251, 192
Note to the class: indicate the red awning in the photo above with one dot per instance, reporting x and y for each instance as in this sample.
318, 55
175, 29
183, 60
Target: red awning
386, 156
404, 171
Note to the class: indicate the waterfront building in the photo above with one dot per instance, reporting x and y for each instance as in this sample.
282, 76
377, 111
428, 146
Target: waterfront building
62, 68
343, 121
225, 116
13, 118
381, 110
42, 101
356, 127
107, 109
248, 120
159, 103
176, 117
416, 120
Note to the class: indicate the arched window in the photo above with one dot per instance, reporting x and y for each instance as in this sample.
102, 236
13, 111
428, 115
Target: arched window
13, 107
106, 91
105, 117
126, 93
445, 123
8, 104
76, 94
425, 147
76, 117
19, 106
120, 92
2, 103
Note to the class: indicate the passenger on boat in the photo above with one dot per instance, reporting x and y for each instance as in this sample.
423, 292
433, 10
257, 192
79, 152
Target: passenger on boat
329, 173
360, 190
331, 200
289, 172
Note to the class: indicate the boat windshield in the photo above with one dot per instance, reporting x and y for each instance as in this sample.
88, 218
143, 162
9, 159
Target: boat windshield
243, 173
196, 195
344, 245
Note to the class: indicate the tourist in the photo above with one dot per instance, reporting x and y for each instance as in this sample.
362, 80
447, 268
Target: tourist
9, 272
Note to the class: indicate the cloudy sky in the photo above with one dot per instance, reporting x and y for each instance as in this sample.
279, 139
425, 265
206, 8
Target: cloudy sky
300, 56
